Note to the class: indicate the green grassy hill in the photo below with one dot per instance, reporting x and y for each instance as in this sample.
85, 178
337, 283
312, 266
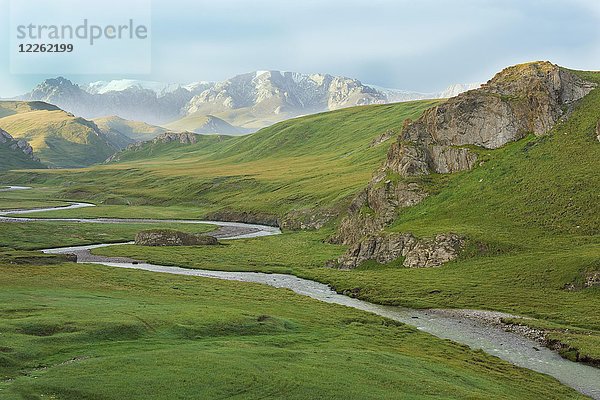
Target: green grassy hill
135, 130
58, 138
16, 159
315, 161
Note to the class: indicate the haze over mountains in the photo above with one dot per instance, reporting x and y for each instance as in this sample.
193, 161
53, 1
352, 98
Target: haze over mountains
239, 105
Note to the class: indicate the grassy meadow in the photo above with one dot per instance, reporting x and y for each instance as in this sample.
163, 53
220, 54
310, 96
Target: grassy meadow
74, 331
530, 211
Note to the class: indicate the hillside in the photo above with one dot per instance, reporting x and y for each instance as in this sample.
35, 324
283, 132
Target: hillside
16, 154
59, 139
204, 124
304, 163
137, 131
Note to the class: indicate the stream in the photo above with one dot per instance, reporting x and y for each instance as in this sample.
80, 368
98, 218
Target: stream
469, 327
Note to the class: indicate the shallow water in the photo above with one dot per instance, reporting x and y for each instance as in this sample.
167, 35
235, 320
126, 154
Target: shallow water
477, 334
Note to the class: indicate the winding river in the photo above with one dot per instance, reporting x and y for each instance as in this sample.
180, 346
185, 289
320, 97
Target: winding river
475, 329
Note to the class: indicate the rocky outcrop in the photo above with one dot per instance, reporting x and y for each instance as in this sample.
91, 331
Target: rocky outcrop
587, 279
520, 100
523, 99
384, 137
598, 131
165, 237
17, 145
374, 208
417, 253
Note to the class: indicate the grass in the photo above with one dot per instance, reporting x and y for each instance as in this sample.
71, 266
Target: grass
92, 332
316, 161
15, 159
43, 235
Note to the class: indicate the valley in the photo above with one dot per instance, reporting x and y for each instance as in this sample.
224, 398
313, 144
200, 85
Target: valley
366, 198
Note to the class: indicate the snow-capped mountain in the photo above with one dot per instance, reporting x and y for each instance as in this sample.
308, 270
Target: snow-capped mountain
160, 88
249, 101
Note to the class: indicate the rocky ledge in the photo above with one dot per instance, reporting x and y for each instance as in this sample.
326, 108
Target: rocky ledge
165, 237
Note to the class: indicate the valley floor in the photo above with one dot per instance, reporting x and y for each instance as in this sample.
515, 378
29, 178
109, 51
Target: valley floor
142, 335
154, 333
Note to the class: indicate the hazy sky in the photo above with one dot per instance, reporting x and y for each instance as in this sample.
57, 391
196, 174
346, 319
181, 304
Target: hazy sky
419, 45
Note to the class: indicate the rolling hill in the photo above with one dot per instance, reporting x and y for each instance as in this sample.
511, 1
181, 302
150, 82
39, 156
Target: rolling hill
16, 154
58, 138
136, 131
204, 124
314, 161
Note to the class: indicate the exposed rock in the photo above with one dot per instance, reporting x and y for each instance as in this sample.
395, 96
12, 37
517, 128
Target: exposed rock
598, 130
586, 280
375, 207
167, 137
183, 138
592, 279
523, 99
17, 145
387, 135
165, 237
417, 253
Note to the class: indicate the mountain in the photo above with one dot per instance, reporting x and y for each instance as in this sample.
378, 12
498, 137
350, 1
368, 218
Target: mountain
204, 124
16, 154
58, 138
159, 88
487, 200
247, 102
133, 102
135, 131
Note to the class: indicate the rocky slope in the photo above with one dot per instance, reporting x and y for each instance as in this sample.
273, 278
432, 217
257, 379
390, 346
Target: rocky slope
520, 100
16, 153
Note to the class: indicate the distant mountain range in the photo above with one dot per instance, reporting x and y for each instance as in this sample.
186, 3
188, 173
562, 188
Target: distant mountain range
238, 105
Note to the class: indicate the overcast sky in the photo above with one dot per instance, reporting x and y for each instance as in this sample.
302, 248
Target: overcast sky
420, 45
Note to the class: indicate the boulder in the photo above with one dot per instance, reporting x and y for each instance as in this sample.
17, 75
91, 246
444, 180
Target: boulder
166, 237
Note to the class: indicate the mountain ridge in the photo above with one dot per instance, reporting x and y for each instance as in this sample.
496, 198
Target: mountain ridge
248, 101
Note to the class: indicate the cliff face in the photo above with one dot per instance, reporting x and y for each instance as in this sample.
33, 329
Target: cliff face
520, 100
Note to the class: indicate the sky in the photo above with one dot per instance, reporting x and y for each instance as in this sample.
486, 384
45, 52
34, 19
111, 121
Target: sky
422, 45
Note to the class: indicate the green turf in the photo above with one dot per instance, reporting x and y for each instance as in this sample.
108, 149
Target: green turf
90, 332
